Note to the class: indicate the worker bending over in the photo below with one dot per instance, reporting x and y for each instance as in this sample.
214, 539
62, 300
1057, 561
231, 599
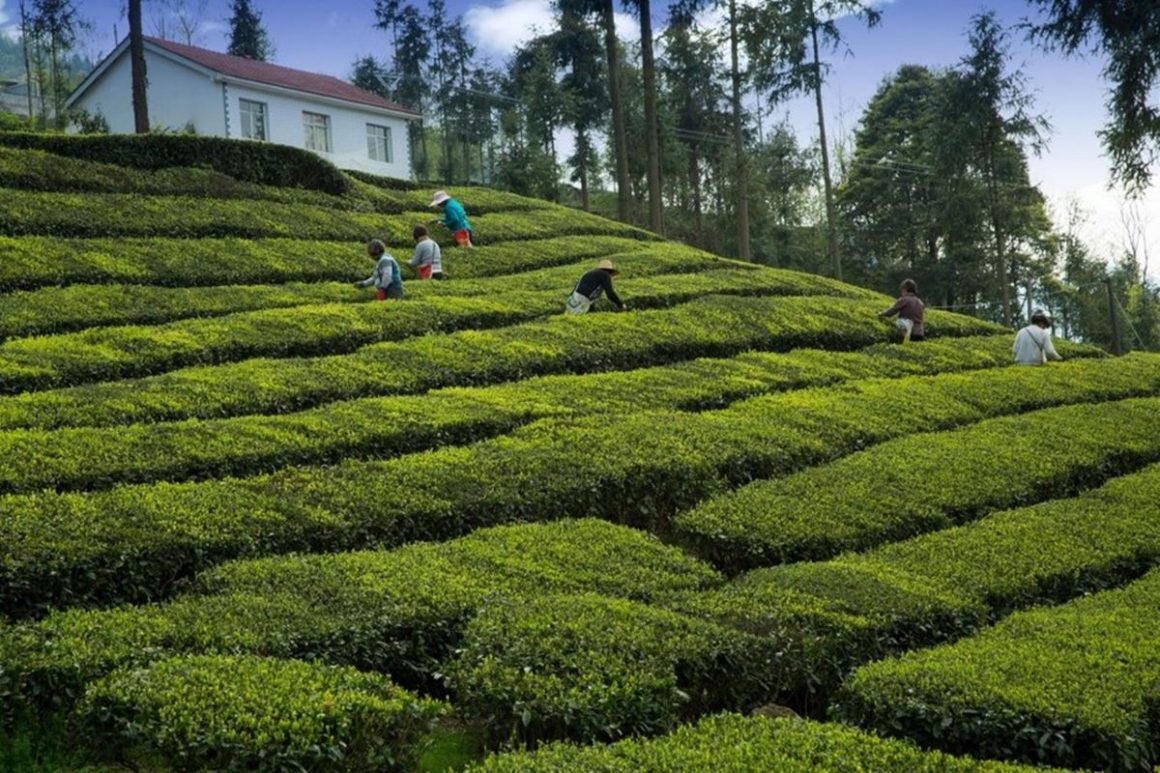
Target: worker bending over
590, 287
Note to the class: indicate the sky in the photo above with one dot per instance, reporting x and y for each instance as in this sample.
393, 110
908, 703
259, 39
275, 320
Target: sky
327, 37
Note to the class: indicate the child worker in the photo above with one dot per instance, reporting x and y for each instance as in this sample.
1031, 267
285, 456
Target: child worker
454, 218
909, 309
428, 259
387, 279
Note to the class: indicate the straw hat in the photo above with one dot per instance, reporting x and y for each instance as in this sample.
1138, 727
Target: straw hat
439, 198
607, 266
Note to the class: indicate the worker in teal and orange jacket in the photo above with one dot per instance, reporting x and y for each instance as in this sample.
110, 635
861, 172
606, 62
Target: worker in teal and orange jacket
454, 218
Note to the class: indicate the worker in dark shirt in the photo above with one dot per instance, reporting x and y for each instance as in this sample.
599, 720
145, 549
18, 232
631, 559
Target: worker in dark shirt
589, 288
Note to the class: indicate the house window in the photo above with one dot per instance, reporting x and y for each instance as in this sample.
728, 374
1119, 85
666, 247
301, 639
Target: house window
379, 142
253, 119
317, 128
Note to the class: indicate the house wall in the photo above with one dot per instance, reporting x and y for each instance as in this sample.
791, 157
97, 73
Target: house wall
180, 96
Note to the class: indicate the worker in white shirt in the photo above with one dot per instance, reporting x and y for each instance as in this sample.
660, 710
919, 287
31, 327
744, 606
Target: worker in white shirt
1033, 343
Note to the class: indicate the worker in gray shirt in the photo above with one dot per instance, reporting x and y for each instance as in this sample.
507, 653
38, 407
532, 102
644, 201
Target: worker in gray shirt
427, 261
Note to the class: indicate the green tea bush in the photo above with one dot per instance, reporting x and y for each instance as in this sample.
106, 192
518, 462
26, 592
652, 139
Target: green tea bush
91, 458
263, 163
829, 617
242, 713
707, 326
133, 542
922, 483
730, 743
591, 668
125, 352
400, 611
1067, 685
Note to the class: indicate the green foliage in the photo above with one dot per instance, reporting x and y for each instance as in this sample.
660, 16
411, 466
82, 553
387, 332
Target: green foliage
134, 542
592, 668
238, 712
927, 482
99, 457
730, 742
263, 163
1067, 686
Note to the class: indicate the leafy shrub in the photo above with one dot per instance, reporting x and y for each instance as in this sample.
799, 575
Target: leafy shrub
923, 483
729, 742
588, 668
265, 163
707, 326
90, 458
134, 542
239, 713
1068, 686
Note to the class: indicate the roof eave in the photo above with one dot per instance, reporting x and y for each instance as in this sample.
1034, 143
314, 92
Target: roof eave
403, 113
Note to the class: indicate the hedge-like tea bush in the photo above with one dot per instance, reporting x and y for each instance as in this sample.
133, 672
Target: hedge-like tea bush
730, 743
400, 611
708, 326
238, 712
593, 668
27, 213
829, 617
36, 261
134, 542
921, 483
89, 458
265, 163
1068, 686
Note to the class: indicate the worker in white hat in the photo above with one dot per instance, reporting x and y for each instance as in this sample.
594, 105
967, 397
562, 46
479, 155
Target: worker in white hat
590, 287
454, 218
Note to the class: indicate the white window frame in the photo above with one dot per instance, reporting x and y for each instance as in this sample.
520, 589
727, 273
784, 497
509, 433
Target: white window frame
247, 112
379, 143
316, 127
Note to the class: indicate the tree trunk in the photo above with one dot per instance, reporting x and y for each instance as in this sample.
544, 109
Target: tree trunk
695, 185
27, 57
619, 137
137, 59
649, 72
1000, 237
743, 252
831, 226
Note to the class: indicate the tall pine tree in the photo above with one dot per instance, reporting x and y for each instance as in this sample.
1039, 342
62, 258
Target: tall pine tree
247, 36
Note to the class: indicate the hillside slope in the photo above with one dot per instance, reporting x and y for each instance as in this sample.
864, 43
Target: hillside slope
250, 517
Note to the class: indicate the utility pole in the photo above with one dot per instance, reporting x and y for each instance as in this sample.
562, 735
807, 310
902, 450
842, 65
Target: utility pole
1117, 344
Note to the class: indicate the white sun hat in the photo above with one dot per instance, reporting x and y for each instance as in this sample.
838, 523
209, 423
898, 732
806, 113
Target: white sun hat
439, 198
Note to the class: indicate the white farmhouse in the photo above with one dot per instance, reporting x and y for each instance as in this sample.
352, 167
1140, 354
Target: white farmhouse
219, 95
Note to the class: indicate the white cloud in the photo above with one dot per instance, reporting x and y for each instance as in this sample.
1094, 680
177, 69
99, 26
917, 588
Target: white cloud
498, 30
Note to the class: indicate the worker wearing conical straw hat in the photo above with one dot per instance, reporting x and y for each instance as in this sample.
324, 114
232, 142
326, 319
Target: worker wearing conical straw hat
591, 286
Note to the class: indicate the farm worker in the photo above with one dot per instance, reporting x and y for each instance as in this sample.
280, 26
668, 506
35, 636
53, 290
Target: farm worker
590, 286
1033, 343
454, 218
388, 279
909, 309
427, 260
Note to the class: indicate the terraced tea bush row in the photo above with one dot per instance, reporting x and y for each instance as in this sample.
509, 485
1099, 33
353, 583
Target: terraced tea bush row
415, 197
594, 668
237, 712
830, 617
86, 458
729, 743
263, 163
921, 483
31, 262
133, 543
1073, 685
100, 354
708, 326
24, 213
65, 309
34, 170
399, 611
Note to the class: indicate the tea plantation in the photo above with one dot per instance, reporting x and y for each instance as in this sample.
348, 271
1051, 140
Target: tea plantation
250, 518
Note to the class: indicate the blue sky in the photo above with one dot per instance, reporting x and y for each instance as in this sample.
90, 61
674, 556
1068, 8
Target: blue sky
328, 36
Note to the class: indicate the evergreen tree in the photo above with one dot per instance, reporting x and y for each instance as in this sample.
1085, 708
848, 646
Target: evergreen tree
585, 93
247, 36
413, 89
370, 75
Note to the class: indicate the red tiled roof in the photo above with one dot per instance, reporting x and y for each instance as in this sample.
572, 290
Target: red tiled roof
276, 75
